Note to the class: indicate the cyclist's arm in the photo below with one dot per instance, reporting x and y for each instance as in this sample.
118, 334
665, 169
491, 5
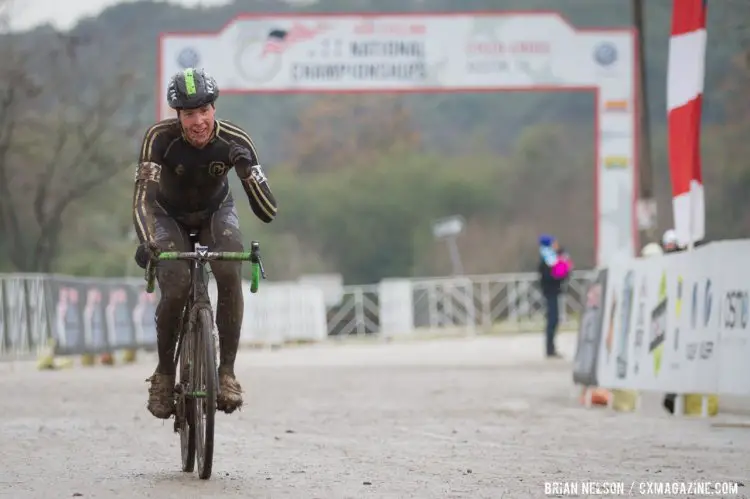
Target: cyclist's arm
254, 181
146, 186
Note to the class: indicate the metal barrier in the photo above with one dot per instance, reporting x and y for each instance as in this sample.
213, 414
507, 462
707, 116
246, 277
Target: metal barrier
98, 315
508, 302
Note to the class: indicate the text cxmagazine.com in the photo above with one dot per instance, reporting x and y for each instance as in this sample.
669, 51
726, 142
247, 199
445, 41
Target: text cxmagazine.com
642, 488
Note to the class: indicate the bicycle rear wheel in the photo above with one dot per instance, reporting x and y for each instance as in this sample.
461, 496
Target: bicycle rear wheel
185, 418
205, 388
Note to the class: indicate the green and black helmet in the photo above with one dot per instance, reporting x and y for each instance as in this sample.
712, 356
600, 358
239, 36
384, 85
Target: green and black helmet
191, 89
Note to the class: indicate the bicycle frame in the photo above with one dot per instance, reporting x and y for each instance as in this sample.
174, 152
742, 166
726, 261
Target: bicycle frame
199, 290
198, 313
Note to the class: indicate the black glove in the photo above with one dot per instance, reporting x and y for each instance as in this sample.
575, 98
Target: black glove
144, 253
240, 155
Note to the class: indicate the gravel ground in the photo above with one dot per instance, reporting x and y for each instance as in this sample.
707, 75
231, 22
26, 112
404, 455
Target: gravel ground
474, 418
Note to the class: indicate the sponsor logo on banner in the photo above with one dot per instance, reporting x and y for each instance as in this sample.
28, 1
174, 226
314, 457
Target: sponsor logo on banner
616, 162
736, 309
696, 319
616, 106
609, 135
607, 58
675, 365
590, 333
659, 325
486, 54
259, 53
700, 316
621, 355
188, 58
605, 54
613, 308
69, 318
319, 54
640, 324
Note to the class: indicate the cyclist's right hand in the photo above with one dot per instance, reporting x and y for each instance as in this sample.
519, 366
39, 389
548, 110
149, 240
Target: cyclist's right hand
145, 252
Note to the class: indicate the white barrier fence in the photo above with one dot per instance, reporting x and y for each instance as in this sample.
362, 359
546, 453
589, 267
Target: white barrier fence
281, 313
88, 315
507, 302
84, 315
678, 323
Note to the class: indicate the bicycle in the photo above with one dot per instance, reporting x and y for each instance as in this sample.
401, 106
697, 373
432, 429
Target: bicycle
195, 353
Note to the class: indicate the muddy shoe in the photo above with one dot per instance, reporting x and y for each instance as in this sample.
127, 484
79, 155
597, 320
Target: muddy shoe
161, 395
230, 392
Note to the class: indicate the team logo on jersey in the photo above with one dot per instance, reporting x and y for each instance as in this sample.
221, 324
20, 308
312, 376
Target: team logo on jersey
217, 169
179, 170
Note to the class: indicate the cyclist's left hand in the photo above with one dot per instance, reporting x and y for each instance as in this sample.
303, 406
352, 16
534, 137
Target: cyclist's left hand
240, 155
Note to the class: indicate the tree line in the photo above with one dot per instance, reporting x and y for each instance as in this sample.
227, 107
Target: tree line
359, 180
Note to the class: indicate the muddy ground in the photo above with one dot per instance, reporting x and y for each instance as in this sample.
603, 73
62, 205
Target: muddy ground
478, 418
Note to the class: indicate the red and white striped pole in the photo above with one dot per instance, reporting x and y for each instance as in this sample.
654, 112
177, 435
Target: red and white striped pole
685, 77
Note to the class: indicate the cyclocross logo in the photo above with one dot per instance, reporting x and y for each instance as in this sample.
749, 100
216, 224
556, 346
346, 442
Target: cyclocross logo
217, 169
260, 50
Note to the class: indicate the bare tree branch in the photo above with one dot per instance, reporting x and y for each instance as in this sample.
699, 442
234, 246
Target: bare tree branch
82, 128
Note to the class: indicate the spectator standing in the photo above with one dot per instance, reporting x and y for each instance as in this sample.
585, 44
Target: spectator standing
554, 269
669, 242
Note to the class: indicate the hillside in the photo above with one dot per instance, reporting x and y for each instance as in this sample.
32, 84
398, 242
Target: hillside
497, 158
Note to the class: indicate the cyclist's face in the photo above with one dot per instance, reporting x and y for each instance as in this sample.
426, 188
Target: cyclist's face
198, 124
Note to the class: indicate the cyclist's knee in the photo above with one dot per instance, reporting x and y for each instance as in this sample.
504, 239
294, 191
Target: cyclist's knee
174, 280
228, 275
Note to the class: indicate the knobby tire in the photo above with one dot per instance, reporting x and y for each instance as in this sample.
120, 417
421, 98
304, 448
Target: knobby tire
187, 426
205, 380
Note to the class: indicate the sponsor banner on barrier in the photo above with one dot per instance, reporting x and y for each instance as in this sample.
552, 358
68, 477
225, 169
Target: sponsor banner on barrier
679, 322
144, 312
590, 332
646, 324
699, 319
732, 311
90, 315
24, 317
97, 316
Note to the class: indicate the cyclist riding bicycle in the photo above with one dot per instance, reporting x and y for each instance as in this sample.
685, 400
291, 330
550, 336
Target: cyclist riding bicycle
181, 184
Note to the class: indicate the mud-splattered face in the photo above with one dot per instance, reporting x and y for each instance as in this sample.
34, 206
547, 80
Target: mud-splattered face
198, 124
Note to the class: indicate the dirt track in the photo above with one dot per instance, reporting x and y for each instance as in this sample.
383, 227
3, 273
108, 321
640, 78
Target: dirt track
481, 418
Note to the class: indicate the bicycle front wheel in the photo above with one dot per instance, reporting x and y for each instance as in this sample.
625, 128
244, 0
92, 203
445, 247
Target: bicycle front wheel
205, 385
185, 419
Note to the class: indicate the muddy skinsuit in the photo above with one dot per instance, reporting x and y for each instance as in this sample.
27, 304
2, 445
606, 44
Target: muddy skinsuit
178, 188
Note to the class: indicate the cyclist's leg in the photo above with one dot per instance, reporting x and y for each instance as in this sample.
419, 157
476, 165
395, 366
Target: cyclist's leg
174, 284
222, 233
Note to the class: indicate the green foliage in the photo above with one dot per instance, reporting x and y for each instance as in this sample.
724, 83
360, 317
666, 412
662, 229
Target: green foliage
512, 164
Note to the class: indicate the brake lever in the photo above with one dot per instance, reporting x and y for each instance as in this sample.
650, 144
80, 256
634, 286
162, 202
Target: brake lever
255, 251
262, 270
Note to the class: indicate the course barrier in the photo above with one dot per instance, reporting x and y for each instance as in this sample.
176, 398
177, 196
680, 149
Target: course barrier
80, 316
61, 315
676, 323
